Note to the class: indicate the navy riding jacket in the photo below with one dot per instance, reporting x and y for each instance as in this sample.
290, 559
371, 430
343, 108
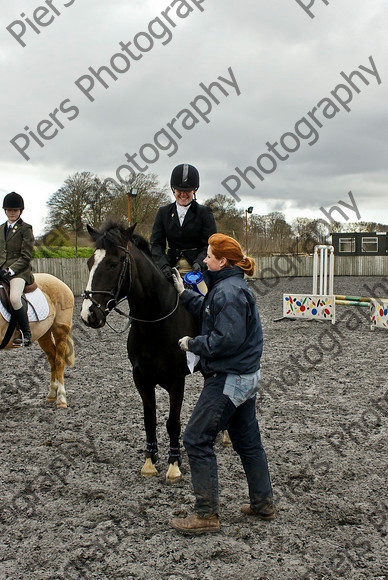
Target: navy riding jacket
231, 339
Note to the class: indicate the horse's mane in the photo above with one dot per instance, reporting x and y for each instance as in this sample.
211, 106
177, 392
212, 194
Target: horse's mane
142, 244
110, 236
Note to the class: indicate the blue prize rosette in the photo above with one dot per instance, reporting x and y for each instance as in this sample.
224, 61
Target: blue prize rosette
193, 279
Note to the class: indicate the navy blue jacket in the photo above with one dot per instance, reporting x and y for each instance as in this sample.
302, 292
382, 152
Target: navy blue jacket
231, 339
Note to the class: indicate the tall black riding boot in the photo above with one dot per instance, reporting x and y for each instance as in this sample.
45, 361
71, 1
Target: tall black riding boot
22, 319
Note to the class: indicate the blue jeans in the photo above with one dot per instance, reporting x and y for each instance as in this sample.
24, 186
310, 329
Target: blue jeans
214, 412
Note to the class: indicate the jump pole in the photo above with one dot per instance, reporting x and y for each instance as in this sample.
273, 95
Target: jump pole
378, 308
352, 300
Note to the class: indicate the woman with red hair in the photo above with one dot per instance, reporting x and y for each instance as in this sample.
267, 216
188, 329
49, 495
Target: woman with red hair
229, 345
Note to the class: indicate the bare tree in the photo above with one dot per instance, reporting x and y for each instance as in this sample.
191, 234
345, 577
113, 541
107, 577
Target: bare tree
260, 241
309, 233
228, 217
270, 234
87, 198
99, 202
68, 205
144, 205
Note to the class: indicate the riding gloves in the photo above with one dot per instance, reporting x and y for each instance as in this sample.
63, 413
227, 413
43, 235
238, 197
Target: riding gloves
196, 268
178, 282
4, 274
184, 343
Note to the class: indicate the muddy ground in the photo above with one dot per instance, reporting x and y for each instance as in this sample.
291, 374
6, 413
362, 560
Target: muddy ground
75, 506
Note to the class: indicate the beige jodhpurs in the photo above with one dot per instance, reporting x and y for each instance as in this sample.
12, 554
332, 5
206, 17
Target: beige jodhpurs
16, 286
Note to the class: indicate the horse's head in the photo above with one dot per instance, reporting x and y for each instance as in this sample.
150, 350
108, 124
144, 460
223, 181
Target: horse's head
108, 270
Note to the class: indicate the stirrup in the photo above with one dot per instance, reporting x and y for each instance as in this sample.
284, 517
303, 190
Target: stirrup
22, 340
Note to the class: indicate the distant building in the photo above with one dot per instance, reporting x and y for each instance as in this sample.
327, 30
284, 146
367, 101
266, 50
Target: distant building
360, 243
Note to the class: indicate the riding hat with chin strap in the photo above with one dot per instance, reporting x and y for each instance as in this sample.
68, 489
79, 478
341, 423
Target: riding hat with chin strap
13, 201
185, 177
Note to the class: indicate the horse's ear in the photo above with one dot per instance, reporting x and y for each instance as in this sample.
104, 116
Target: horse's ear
92, 232
129, 232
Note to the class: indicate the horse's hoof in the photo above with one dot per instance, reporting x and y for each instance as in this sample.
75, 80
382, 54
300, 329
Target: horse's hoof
173, 479
148, 469
173, 473
149, 473
50, 399
61, 406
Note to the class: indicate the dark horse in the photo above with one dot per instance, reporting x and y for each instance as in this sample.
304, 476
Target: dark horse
121, 267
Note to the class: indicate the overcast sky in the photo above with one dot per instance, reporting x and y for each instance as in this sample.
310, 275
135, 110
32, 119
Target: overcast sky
277, 64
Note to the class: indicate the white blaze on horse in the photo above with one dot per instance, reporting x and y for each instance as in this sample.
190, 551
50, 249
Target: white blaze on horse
122, 268
52, 330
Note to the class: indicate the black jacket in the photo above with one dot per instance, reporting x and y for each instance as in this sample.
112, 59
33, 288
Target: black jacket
189, 240
16, 250
231, 336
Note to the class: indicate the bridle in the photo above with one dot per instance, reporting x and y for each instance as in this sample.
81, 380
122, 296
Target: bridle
112, 303
115, 293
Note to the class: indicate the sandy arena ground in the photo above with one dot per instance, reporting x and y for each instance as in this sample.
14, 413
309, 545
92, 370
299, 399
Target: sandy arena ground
74, 504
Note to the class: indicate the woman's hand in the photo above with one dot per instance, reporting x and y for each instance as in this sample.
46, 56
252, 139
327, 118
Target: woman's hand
184, 343
4, 274
196, 268
178, 282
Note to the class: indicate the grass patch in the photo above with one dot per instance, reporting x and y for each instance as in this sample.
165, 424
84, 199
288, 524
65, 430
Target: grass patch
62, 252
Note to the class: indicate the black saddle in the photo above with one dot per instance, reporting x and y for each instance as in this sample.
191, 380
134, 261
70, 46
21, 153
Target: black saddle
4, 297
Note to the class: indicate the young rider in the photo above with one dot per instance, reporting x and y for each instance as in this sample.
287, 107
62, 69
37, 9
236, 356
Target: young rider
16, 246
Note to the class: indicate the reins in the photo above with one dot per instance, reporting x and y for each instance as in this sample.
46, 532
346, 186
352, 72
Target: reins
127, 265
156, 319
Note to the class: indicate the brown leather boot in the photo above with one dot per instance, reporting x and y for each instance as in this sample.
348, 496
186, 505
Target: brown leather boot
196, 525
265, 512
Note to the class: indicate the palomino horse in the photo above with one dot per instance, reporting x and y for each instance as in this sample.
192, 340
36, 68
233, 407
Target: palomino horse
53, 334
121, 267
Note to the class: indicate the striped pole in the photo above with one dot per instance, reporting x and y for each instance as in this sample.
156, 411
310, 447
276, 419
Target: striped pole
352, 300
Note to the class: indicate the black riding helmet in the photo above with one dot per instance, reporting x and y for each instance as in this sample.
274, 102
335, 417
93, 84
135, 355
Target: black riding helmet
184, 177
13, 201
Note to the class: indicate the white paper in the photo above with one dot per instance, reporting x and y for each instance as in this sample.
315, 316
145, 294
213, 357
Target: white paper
192, 360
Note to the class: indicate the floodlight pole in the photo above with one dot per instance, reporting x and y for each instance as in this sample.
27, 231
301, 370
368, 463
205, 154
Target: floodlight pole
247, 211
246, 231
131, 193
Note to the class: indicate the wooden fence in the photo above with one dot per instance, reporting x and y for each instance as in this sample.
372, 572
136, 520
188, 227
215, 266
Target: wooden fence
280, 266
74, 271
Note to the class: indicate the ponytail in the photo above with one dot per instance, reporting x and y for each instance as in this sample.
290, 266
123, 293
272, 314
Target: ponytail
247, 264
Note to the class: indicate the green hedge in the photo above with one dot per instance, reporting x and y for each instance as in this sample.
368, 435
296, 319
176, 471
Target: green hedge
62, 252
